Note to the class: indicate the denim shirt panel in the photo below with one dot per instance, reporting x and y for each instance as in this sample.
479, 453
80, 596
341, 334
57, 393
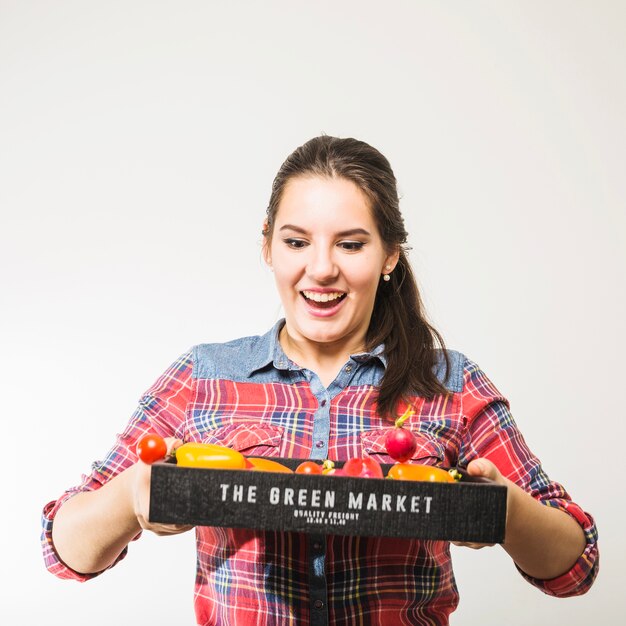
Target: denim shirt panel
261, 359
451, 379
238, 359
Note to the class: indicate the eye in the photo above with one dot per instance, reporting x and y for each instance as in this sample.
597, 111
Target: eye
296, 244
351, 246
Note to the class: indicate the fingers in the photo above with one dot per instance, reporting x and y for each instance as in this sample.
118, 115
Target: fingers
484, 468
472, 544
172, 444
163, 530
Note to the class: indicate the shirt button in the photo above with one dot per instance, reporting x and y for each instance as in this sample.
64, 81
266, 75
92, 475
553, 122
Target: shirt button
348, 368
317, 545
323, 403
319, 444
318, 604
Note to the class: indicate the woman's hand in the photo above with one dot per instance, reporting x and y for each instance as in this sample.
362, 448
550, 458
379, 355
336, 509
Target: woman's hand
141, 496
543, 541
92, 528
482, 468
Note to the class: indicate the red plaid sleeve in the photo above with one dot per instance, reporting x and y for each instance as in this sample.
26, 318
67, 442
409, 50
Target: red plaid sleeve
161, 410
491, 433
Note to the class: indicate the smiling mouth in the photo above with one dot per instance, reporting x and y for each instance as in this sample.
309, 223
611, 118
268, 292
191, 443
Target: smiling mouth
323, 300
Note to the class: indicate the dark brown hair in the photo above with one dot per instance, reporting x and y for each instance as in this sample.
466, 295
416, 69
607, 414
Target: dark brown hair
398, 318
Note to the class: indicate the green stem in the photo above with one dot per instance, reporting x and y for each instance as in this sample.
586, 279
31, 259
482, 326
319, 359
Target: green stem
400, 421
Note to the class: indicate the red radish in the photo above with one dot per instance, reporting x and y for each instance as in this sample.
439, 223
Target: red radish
400, 442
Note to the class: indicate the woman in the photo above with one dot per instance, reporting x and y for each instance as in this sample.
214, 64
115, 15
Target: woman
353, 351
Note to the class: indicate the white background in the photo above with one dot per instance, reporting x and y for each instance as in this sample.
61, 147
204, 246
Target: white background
138, 142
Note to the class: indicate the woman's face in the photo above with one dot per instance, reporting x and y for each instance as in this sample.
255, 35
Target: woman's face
327, 257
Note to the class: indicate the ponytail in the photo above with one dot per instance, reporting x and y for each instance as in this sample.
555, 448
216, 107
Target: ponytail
410, 341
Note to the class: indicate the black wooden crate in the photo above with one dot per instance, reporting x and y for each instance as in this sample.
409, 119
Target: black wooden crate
470, 510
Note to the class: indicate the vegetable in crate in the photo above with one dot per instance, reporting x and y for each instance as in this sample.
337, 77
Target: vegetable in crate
400, 442
410, 471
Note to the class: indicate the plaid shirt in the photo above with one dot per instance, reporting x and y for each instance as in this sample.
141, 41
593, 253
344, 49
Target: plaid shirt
246, 394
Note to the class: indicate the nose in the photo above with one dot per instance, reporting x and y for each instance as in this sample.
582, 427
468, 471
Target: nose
321, 265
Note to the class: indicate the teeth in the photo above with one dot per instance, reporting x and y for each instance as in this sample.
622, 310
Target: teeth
322, 297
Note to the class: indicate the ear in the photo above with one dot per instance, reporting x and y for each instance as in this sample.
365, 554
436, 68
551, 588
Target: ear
391, 261
266, 245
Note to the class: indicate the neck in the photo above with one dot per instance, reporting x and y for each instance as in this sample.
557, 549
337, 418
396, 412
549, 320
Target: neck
323, 358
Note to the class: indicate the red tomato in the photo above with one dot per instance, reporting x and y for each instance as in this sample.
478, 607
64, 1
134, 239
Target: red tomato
151, 448
309, 467
365, 467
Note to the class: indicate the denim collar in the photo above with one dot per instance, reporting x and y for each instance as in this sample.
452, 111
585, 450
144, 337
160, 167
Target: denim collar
269, 351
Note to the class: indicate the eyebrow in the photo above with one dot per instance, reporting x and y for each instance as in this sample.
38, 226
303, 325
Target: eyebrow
344, 233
